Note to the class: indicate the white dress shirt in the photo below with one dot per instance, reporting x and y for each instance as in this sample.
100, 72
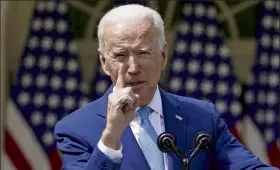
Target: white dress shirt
156, 118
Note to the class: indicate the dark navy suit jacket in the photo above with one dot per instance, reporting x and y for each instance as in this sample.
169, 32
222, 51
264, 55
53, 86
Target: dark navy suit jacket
77, 136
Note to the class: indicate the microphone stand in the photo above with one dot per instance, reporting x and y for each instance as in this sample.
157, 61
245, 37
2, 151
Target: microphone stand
187, 159
184, 159
173, 149
202, 145
167, 143
186, 163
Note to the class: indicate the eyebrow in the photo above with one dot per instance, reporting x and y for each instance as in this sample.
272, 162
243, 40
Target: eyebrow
144, 48
136, 49
117, 50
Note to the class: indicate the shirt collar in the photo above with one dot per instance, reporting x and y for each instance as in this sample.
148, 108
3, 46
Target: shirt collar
156, 104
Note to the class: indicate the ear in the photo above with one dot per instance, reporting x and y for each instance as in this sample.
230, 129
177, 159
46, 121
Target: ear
103, 62
164, 56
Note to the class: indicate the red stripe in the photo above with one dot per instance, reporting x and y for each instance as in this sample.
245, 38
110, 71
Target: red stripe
55, 160
235, 133
274, 155
14, 153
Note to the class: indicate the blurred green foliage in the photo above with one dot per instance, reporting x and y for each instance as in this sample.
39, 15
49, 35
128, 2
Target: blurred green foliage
246, 20
78, 20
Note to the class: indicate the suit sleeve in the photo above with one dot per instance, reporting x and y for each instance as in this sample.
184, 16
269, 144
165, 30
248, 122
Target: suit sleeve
77, 154
230, 154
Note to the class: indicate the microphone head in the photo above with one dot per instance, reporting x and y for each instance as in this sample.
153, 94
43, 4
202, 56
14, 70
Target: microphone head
165, 141
205, 139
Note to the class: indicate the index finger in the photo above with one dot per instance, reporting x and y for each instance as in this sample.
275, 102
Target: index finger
120, 80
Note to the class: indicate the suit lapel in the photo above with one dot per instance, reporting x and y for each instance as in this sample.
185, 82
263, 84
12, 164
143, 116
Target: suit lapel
175, 122
132, 152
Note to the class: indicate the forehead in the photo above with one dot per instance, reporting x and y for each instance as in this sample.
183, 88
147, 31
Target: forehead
129, 33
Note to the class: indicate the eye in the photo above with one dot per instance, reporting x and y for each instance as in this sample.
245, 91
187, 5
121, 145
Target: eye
119, 55
144, 53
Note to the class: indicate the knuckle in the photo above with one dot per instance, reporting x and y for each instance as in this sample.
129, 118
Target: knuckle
112, 99
128, 89
129, 99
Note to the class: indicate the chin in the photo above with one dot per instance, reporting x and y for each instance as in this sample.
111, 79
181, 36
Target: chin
145, 97
140, 92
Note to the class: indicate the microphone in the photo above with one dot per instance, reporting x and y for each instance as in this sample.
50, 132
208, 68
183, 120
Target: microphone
167, 143
202, 143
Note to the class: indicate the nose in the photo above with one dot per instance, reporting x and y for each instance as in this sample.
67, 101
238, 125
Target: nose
133, 65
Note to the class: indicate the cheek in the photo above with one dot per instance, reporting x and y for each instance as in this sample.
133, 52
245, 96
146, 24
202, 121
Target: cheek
152, 70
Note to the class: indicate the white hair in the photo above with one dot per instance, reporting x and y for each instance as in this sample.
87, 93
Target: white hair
131, 11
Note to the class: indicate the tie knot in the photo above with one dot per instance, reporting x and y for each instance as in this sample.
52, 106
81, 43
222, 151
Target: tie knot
144, 112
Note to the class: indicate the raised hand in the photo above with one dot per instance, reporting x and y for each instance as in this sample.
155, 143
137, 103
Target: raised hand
122, 104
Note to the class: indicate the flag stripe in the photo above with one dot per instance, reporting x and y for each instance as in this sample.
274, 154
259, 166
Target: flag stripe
55, 160
6, 162
253, 139
25, 139
235, 132
273, 154
14, 153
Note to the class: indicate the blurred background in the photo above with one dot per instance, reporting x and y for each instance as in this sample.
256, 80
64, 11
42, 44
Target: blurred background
225, 52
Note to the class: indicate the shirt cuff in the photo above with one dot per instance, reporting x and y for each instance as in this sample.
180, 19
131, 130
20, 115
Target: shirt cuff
114, 155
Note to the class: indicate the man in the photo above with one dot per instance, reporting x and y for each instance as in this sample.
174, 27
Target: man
119, 130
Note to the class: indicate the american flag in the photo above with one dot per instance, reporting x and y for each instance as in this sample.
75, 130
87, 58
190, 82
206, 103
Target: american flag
47, 87
263, 94
201, 65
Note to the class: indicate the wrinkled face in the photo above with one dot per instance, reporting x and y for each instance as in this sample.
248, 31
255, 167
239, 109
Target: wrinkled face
134, 46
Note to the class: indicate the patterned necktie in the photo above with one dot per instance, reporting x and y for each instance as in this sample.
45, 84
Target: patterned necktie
148, 141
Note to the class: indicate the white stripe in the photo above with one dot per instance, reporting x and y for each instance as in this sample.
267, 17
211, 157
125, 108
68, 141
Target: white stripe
6, 163
25, 138
254, 140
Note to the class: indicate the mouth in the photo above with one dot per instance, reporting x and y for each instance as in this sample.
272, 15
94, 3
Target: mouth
135, 84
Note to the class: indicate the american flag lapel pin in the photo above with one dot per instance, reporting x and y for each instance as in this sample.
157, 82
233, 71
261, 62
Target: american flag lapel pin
178, 117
